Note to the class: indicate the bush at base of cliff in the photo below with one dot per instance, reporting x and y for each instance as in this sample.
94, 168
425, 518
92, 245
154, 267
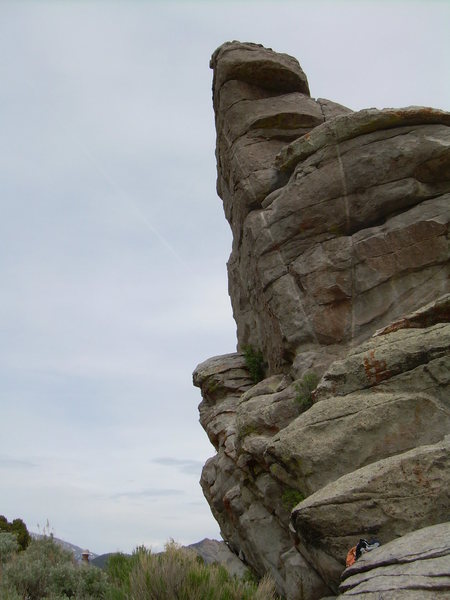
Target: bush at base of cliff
180, 573
291, 498
255, 363
47, 571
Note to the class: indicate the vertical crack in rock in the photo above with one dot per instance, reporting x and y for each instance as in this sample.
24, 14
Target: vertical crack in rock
338, 278
348, 227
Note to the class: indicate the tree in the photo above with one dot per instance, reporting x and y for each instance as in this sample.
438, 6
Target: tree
18, 528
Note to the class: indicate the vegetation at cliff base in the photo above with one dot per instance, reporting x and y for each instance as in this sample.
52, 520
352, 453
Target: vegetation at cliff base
255, 363
46, 571
291, 498
179, 573
305, 389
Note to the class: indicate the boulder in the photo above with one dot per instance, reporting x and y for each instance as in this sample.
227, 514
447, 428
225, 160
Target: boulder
338, 435
415, 566
387, 499
384, 358
437, 311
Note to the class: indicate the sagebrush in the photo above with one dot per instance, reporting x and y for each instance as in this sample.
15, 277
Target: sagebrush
180, 574
45, 571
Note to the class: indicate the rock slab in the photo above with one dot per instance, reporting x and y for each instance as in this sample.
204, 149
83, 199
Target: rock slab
412, 567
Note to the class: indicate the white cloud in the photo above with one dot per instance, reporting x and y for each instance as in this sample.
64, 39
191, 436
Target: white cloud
184, 465
147, 494
7, 462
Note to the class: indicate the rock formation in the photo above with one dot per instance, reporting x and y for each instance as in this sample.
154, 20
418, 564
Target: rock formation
338, 275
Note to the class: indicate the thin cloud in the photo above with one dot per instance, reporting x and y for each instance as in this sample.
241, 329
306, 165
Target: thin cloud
149, 493
189, 466
126, 198
15, 463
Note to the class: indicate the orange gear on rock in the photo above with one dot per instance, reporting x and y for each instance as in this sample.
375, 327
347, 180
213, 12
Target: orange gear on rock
351, 557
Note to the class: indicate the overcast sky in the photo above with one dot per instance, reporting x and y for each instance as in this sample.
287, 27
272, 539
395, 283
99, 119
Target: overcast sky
113, 242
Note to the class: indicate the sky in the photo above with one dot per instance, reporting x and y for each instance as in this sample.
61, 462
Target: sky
113, 242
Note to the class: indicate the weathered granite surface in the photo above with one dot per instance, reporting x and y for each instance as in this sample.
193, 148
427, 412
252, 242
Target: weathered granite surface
413, 567
387, 498
339, 275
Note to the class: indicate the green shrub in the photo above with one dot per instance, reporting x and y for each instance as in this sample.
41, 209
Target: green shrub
177, 573
92, 583
45, 570
304, 390
255, 363
8, 546
118, 568
10, 594
211, 386
18, 528
291, 498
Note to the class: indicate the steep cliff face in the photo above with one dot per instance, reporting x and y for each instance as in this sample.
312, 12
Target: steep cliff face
339, 276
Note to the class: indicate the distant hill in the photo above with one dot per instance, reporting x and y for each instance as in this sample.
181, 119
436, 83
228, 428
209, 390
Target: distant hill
76, 550
100, 560
212, 551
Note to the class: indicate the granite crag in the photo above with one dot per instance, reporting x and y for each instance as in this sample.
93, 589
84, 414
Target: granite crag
338, 276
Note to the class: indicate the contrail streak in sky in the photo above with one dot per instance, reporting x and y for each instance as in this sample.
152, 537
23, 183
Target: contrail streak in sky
142, 217
131, 202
